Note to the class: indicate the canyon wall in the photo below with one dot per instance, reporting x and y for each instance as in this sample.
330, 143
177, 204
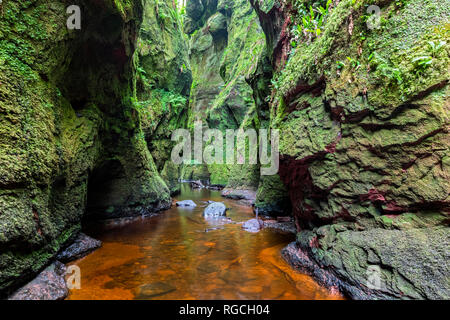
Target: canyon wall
163, 82
72, 128
225, 43
363, 114
229, 92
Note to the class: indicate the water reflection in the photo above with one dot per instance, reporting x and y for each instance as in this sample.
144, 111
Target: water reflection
180, 255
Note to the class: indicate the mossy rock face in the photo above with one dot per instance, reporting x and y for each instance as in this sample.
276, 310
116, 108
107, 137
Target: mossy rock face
195, 9
171, 174
197, 13
272, 198
363, 120
163, 80
217, 25
396, 256
66, 114
224, 52
195, 172
330, 118
162, 52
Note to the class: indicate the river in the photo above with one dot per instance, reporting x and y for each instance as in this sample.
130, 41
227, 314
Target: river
179, 255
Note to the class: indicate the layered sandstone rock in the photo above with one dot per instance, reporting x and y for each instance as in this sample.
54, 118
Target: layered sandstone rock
364, 142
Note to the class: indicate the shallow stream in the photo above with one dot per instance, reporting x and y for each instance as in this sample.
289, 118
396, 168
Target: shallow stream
180, 255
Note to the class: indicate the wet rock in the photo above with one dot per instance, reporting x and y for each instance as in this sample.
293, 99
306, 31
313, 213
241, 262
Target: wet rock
245, 196
153, 290
48, 285
82, 246
216, 209
186, 203
247, 203
216, 187
288, 227
197, 185
207, 203
213, 229
253, 225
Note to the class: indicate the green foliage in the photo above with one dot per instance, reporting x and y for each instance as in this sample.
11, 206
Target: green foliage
340, 65
422, 63
167, 15
400, 3
386, 70
161, 104
355, 64
435, 47
312, 20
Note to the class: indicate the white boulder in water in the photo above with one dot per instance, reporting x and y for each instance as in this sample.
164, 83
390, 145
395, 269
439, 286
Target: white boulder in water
216, 209
186, 203
253, 225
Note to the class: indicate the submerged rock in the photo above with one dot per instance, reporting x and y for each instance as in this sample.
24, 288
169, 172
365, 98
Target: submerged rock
81, 247
213, 229
216, 209
186, 203
253, 225
48, 285
153, 290
218, 221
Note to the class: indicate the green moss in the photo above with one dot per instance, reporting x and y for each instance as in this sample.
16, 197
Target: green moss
164, 77
171, 175
220, 95
272, 197
60, 124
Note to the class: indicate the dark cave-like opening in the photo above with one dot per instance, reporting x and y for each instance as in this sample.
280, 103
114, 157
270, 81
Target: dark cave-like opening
105, 189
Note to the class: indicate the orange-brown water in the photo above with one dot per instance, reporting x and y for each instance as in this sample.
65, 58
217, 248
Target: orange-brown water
173, 257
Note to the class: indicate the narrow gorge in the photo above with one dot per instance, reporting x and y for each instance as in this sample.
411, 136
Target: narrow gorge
357, 90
